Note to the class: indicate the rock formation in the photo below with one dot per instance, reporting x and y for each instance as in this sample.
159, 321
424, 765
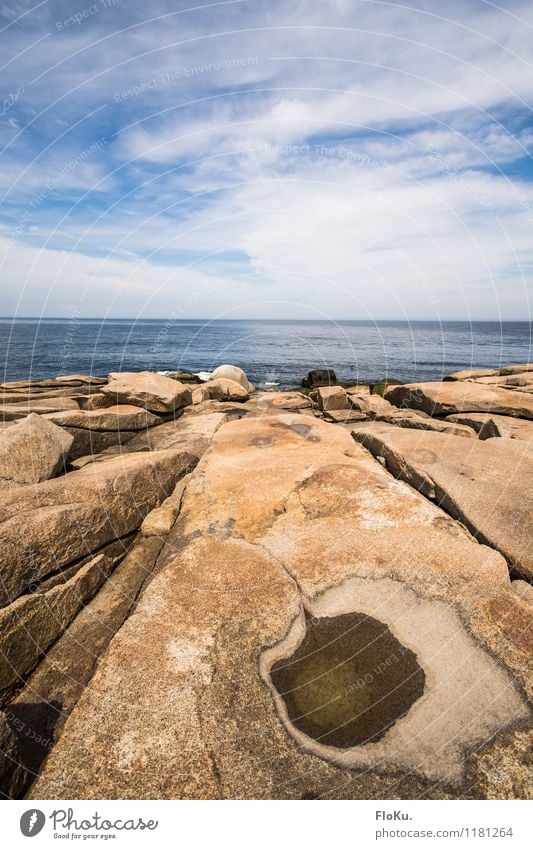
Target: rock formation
223, 593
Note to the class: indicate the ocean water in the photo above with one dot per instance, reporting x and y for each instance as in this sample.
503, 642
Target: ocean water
273, 353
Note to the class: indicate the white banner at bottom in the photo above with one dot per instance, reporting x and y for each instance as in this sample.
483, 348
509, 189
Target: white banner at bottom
258, 824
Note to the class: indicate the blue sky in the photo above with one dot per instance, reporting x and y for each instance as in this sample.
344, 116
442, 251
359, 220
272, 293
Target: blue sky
264, 158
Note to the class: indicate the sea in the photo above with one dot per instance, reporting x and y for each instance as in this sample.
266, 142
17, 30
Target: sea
275, 354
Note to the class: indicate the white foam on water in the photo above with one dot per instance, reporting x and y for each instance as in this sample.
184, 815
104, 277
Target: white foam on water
203, 375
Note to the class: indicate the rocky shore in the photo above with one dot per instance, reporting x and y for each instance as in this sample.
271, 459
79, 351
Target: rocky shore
214, 592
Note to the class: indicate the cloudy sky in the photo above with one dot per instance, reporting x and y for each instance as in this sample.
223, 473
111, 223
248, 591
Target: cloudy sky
267, 158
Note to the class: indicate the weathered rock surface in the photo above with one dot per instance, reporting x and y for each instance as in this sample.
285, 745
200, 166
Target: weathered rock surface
160, 521
223, 389
371, 405
32, 450
511, 381
12, 775
413, 419
477, 373
32, 623
192, 433
49, 525
154, 392
72, 380
117, 417
234, 373
471, 373
442, 399
92, 443
9, 412
96, 401
289, 401
359, 389
332, 398
286, 516
344, 416
488, 425
39, 711
484, 484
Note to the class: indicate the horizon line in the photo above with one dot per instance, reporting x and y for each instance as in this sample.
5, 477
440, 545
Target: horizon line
307, 320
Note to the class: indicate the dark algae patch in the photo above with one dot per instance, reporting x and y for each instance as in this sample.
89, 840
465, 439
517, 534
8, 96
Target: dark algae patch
348, 681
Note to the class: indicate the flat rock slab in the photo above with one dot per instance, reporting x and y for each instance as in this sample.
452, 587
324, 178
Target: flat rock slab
63, 380
287, 400
117, 417
476, 373
154, 392
343, 416
442, 399
412, 419
489, 425
32, 450
9, 412
285, 516
190, 432
484, 484
49, 525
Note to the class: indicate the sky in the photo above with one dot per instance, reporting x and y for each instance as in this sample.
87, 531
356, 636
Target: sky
343, 159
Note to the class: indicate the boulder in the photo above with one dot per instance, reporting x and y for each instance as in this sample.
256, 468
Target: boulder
488, 425
233, 373
115, 418
32, 450
47, 526
287, 525
370, 405
154, 392
332, 398
486, 485
442, 399
319, 377
223, 389
10, 412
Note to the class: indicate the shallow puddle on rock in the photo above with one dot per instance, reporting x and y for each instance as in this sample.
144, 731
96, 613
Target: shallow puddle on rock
348, 681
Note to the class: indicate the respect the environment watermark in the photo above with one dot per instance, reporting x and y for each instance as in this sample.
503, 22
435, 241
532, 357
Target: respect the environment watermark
185, 72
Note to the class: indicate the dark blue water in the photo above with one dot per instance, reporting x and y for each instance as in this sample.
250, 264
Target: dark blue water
279, 352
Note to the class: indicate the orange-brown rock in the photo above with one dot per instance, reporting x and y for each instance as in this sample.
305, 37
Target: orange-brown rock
443, 399
154, 392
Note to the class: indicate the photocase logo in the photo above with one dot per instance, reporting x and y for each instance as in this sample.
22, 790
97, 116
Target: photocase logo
32, 822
